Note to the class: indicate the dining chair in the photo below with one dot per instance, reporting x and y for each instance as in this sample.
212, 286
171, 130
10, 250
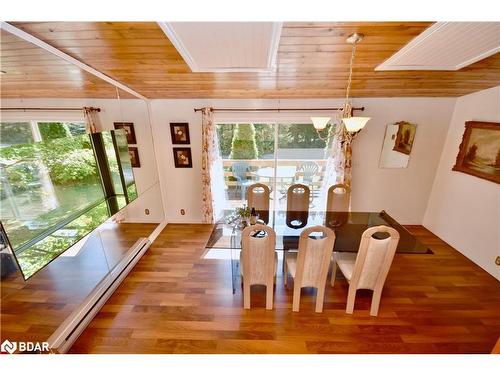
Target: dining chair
258, 260
297, 212
258, 196
298, 198
240, 170
368, 268
309, 266
307, 171
339, 197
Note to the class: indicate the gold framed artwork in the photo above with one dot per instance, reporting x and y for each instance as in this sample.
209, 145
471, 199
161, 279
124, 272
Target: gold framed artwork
182, 157
479, 152
404, 137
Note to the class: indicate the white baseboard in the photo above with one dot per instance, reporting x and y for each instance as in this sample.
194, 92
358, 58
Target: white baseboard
67, 333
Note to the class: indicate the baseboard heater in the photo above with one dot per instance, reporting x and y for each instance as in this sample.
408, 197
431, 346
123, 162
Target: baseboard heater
67, 333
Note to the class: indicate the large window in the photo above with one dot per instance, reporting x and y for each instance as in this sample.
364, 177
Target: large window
53, 186
275, 154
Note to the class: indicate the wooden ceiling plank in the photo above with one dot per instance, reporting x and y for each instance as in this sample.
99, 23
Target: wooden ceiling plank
313, 60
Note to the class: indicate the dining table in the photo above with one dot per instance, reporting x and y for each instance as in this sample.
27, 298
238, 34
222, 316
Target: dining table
288, 225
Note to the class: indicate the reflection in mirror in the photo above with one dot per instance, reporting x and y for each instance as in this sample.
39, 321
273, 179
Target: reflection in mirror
398, 142
54, 191
75, 208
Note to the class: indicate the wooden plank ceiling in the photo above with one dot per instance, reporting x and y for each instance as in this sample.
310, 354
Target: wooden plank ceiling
313, 60
32, 72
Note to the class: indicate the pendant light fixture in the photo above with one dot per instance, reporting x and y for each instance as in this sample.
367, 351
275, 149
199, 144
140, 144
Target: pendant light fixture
353, 124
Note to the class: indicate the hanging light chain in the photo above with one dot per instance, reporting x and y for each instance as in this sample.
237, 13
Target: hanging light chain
347, 106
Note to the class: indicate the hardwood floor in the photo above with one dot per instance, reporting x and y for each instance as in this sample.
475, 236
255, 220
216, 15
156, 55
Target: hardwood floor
33, 310
174, 301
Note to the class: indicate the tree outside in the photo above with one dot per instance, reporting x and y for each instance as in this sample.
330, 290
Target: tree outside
243, 145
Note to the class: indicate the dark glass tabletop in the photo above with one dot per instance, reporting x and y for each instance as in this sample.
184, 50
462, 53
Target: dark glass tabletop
348, 228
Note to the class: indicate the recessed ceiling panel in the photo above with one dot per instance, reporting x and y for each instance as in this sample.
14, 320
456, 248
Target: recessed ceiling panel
225, 46
447, 46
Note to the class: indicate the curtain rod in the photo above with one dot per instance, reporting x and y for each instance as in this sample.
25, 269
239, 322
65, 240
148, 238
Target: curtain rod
275, 109
48, 109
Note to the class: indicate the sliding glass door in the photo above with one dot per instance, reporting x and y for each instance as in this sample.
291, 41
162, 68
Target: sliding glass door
275, 154
300, 159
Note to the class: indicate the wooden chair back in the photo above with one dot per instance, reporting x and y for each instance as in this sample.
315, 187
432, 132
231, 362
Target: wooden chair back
313, 259
374, 258
298, 198
339, 198
258, 261
313, 262
258, 196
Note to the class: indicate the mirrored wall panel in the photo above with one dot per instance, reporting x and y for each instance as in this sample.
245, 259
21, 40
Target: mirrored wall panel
397, 146
58, 187
74, 206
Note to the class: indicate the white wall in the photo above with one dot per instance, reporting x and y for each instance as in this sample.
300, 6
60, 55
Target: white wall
465, 210
403, 193
112, 110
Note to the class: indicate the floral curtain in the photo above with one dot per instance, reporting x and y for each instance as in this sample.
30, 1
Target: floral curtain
338, 164
212, 174
91, 119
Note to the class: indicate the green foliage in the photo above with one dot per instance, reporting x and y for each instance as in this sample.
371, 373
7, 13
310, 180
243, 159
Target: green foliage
37, 256
68, 160
244, 211
225, 135
243, 145
264, 136
22, 176
238, 144
300, 136
76, 128
12, 133
53, 130
132, 192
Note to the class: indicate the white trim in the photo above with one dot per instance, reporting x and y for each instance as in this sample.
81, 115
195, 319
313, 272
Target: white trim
159, 170
67, 333
274, 45
179, 46
154, 234
42, 116
174, 38
40, 43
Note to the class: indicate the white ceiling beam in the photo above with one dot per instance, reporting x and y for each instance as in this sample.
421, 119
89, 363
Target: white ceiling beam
40, 43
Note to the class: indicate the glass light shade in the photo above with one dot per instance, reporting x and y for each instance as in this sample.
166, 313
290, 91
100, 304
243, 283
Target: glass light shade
354, 124
320, 123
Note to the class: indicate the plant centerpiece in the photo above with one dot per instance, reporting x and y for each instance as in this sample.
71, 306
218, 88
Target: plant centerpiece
244, 214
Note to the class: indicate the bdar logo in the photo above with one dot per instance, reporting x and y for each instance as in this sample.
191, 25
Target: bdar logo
8, 347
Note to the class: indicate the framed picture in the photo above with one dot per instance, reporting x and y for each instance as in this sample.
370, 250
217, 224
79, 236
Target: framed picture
129, 130
404, 137
180, 133
134, 157
182, 157
479, 152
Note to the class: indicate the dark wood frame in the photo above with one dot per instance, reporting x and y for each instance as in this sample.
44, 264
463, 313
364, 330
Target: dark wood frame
131, 139
176, 160
399, 137
184, 125
460, 166
135, 151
